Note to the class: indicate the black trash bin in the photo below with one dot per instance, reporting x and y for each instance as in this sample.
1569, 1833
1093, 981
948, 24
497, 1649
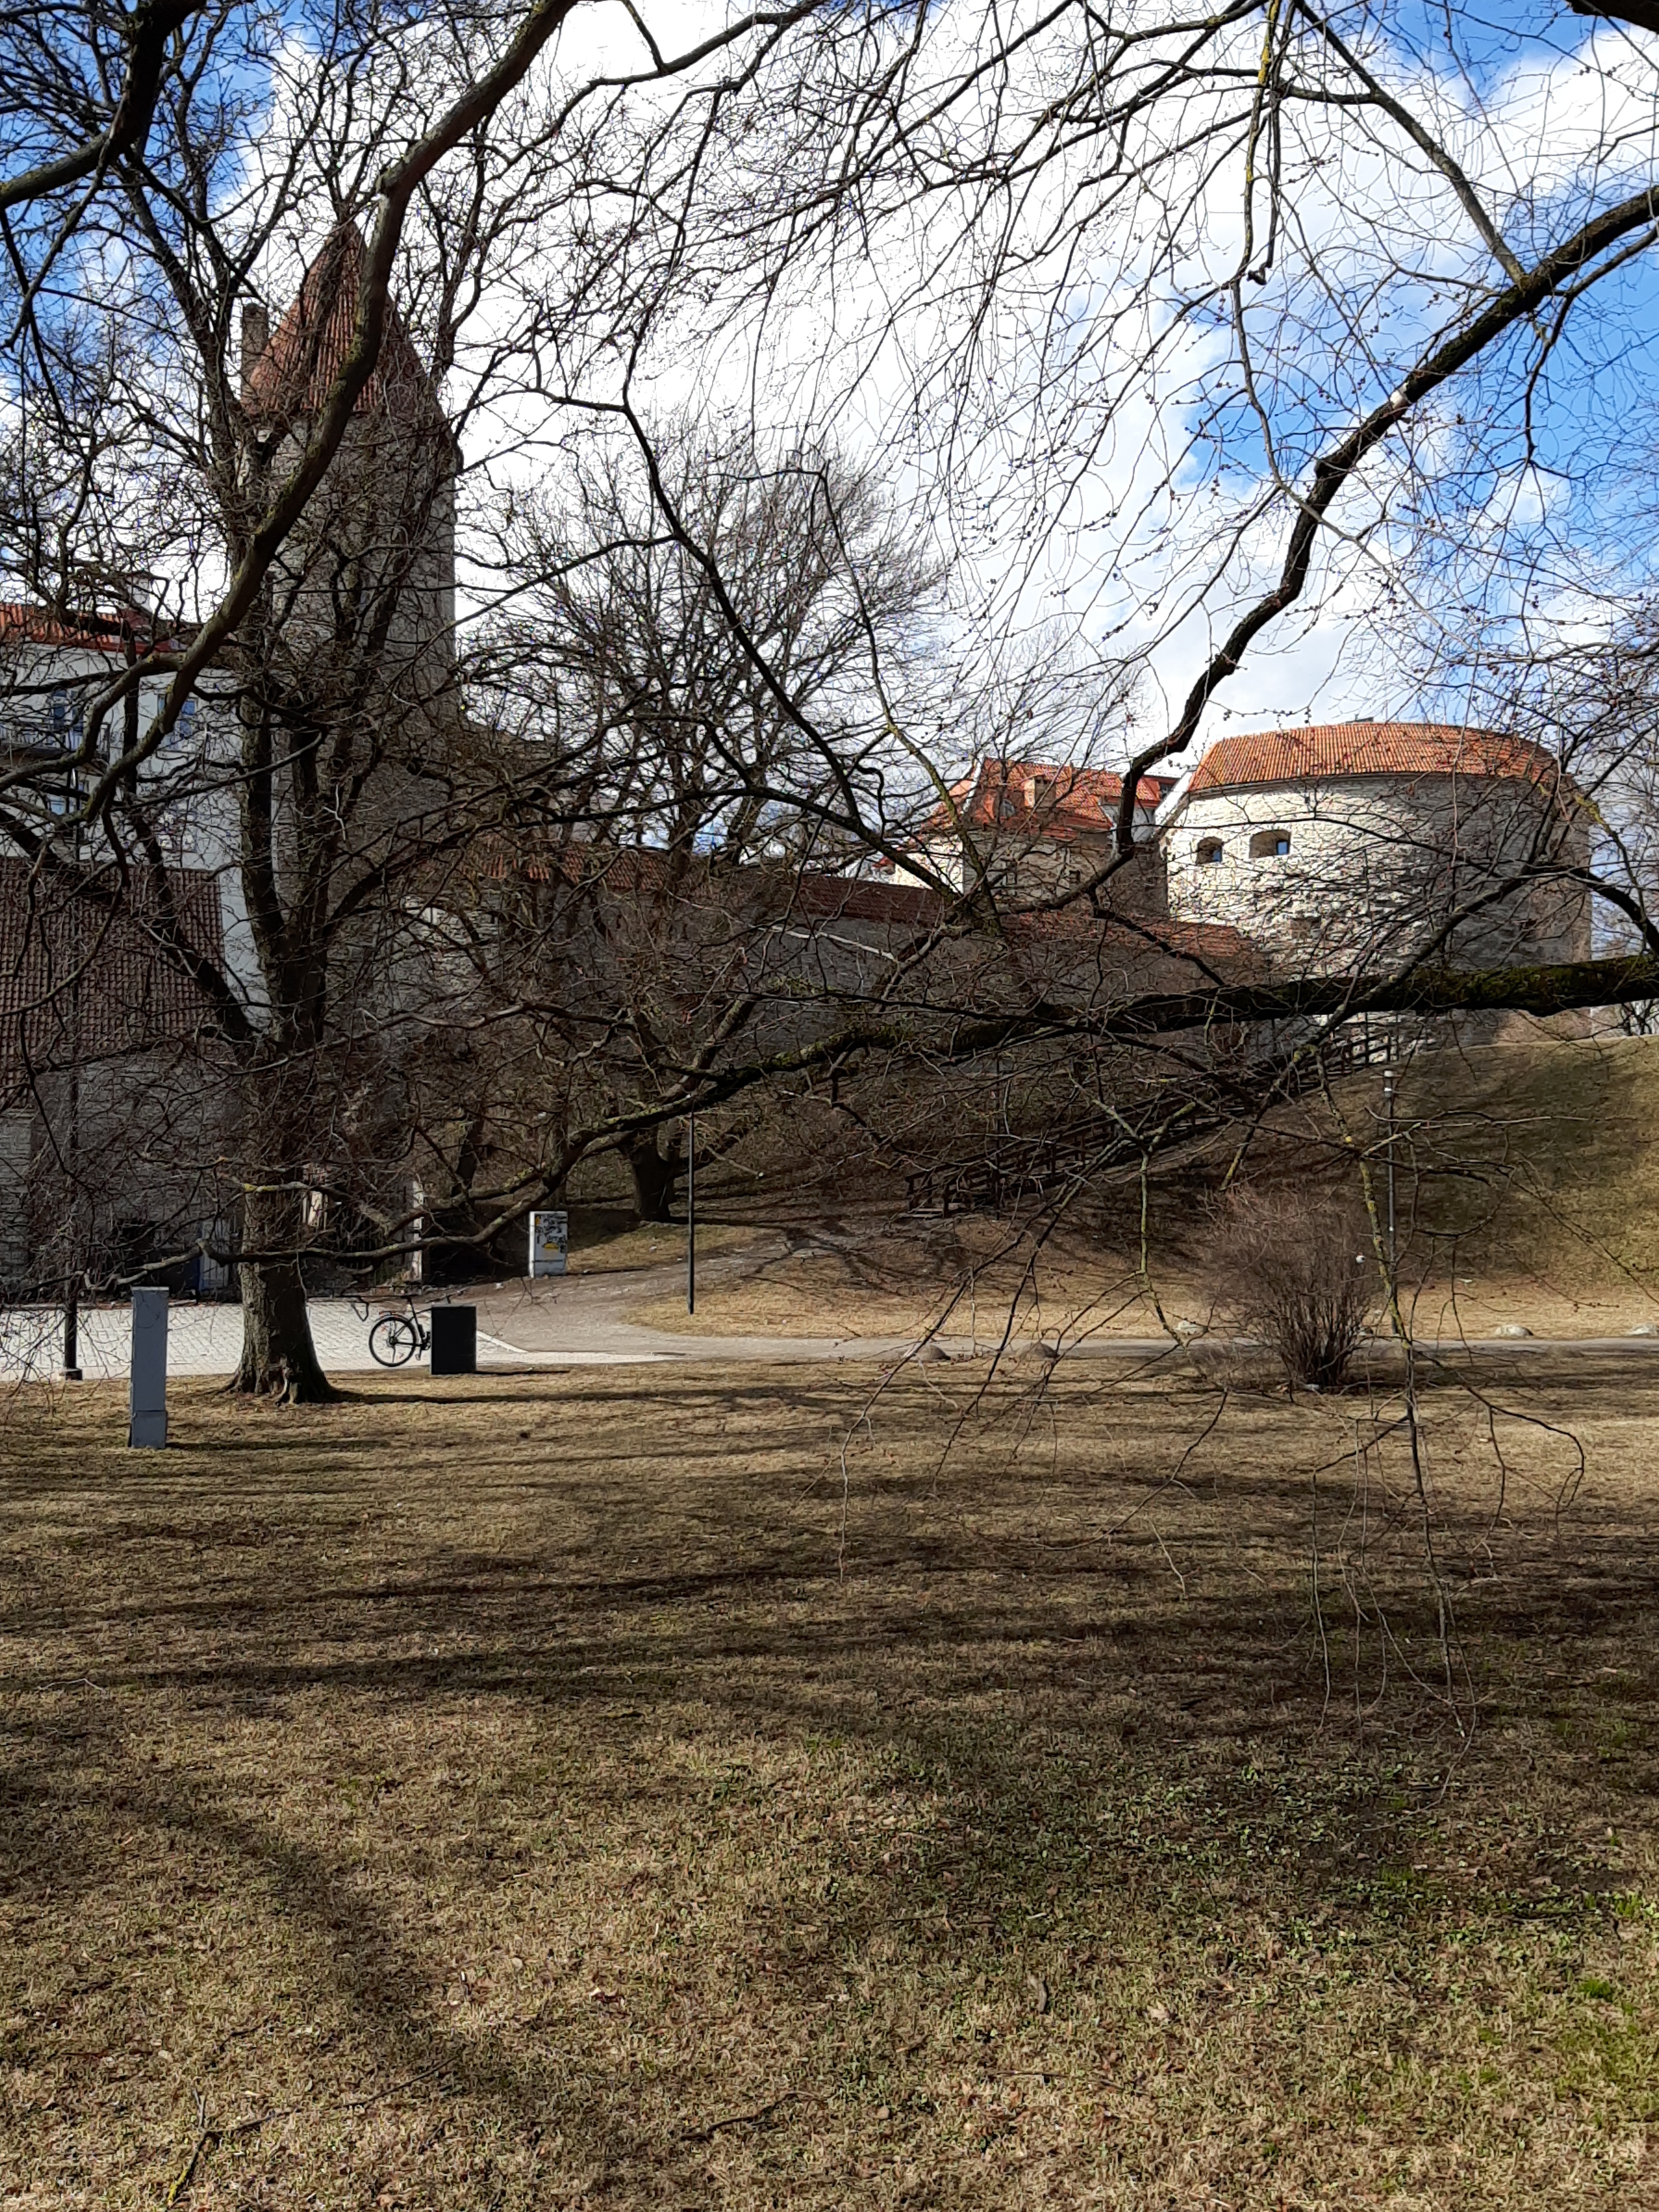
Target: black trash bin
454, 1339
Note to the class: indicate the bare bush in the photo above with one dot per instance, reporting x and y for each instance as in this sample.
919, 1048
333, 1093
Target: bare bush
1291, 1266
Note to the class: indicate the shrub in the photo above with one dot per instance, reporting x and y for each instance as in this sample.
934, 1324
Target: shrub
1293, 1268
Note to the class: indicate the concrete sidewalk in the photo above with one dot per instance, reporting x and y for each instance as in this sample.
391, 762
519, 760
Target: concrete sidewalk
207, 1339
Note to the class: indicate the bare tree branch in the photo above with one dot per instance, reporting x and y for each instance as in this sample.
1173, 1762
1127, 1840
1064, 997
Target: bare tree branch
149, 28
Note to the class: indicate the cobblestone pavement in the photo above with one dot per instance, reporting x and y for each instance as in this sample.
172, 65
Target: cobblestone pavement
207, 1339
204, 1339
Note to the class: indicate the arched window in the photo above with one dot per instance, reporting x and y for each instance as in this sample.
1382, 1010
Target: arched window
1210, 850
1270, 845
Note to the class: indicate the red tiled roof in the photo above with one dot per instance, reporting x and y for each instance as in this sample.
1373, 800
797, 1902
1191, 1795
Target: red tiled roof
1400, 748
1041, 799
808, 897
830, 898
1200, 940
78, 984
295, 373
22, 624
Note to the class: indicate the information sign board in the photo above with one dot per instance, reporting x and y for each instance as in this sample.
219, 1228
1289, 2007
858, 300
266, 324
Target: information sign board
549, 1243
146, 1426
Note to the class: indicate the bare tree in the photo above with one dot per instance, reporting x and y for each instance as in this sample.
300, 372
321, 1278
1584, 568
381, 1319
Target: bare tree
293, 489
706, 739
1331, 382
1251, 307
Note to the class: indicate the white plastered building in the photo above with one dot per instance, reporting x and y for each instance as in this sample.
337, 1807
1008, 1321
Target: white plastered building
1357, 846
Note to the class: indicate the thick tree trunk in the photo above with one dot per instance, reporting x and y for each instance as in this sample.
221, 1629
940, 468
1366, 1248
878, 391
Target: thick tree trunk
279, 1359
654, 1177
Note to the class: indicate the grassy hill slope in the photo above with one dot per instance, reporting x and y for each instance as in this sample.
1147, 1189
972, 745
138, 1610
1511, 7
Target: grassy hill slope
1529, 1164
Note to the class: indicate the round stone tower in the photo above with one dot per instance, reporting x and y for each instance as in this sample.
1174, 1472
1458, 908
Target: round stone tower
1361, 845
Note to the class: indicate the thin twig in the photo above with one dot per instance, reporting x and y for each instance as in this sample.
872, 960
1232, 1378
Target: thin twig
208, 2140
738, 2119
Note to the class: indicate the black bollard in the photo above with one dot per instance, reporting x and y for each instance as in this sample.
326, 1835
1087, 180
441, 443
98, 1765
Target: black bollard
454, 1339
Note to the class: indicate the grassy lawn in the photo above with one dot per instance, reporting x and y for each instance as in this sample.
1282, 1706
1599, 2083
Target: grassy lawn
572, 1791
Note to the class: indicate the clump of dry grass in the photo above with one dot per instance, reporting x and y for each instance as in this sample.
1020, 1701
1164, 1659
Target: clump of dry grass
560, 1791
1526, 1169
1284, 1265
655, 1244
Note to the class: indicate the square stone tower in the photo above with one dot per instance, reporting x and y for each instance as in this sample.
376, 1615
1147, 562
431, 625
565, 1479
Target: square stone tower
374, 558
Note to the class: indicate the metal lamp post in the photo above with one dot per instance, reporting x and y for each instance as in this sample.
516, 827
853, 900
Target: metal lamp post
690, 1213
1389, 1095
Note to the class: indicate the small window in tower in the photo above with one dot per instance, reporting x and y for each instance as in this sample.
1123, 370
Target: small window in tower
1210, 851
1270, 845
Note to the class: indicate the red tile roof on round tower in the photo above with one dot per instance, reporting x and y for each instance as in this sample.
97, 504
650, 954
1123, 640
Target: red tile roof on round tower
1327, 750
293, 374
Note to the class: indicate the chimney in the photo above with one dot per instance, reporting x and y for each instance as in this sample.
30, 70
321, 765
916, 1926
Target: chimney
256, 336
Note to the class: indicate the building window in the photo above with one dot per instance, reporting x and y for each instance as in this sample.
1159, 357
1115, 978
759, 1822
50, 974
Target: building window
1209, 853
1270, 845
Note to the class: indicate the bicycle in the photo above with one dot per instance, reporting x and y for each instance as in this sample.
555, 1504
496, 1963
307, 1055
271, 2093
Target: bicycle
396, 1338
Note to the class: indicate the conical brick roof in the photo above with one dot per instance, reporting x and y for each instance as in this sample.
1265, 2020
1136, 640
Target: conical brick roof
293, 376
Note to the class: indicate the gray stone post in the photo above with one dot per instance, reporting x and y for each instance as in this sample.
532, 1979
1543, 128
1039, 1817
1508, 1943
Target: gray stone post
147, 1417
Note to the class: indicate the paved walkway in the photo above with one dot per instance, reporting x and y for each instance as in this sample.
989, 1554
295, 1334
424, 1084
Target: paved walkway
577, 1320
205, 1340
581, 1320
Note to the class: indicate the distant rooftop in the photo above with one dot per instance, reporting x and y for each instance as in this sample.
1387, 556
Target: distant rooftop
1041, 799
89, 632
1327, 750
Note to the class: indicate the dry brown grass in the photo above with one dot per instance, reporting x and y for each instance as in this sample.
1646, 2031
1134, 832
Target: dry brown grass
1529, 1182
1529, 1185
655, 1244
910, 1277
977, 1276
557, 1791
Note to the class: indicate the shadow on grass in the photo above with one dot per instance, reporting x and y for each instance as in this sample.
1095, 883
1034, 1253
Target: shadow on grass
353, 1727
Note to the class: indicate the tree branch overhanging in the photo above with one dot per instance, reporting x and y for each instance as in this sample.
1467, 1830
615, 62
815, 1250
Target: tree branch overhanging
1566, 265
149, 27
